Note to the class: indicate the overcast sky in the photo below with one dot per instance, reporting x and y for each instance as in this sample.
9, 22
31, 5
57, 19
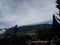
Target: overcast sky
23, 12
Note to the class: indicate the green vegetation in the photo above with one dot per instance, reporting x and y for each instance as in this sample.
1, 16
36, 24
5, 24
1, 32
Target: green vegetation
21, 35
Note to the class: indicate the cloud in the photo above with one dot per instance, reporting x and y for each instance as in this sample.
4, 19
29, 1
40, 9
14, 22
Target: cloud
23, 12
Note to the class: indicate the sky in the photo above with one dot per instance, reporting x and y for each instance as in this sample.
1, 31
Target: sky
25, 12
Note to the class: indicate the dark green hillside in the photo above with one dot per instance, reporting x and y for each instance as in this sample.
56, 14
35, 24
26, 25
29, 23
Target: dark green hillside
31, 28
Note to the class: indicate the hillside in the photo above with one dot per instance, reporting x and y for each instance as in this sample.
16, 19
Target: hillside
32, 28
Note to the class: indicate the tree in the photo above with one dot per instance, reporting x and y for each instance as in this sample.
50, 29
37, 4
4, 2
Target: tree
15, 31
56, 20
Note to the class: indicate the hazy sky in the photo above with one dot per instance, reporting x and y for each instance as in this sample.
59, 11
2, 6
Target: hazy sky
23, 12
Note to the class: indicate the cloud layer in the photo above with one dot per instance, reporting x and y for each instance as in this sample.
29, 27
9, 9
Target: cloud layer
24, 12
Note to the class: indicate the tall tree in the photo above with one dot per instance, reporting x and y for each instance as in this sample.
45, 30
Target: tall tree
56, 20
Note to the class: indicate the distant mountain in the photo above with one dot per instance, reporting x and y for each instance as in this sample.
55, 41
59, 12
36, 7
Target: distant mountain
47, 22
7, 24
4, 25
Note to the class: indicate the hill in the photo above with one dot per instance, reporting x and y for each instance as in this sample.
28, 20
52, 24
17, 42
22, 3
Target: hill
31, 28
